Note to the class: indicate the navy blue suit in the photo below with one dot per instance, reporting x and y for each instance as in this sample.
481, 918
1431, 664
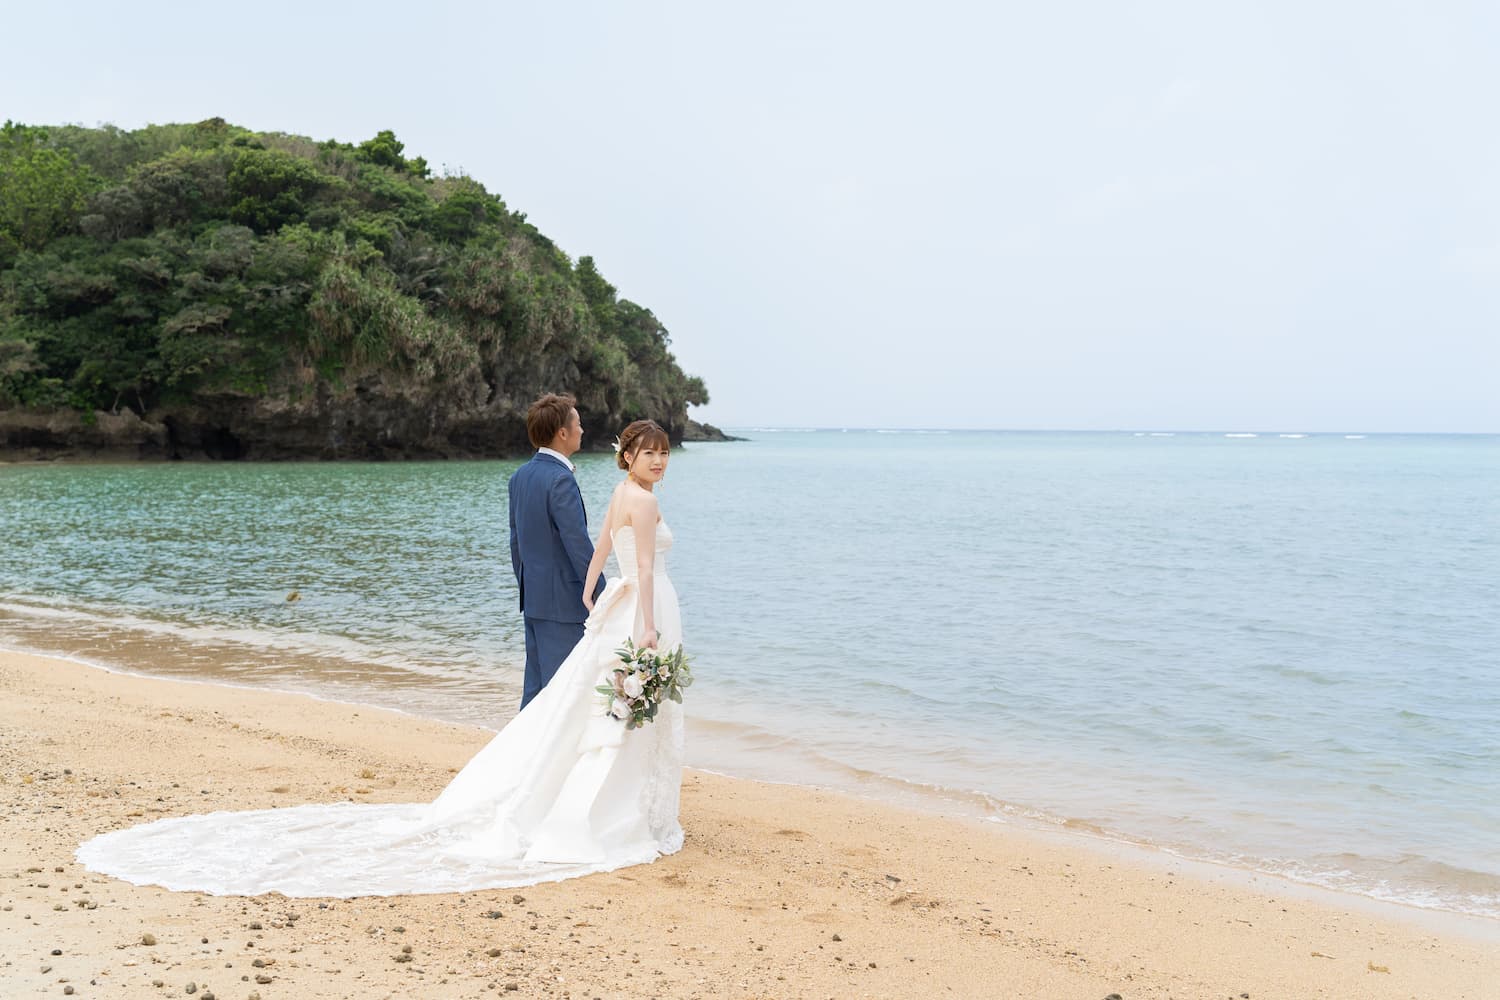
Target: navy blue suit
550, 552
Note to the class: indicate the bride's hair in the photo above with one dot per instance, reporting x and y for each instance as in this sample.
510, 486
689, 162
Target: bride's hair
641, 434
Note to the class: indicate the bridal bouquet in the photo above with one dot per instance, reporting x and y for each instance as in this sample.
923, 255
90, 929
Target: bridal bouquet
644, 679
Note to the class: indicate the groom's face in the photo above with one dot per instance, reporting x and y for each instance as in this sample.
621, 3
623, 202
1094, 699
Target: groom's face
570, 438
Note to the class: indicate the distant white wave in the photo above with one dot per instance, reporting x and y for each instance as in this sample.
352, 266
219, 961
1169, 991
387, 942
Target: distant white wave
1241, 435
1292, 435
1354, 437
1163, 434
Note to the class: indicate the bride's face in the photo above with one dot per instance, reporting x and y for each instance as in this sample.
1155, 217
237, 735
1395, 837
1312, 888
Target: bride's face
649, 464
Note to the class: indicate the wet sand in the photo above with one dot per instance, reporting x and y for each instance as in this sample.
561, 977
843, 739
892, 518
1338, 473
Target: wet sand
781, 891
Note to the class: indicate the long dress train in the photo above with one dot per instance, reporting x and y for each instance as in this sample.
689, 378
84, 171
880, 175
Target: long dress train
563, 790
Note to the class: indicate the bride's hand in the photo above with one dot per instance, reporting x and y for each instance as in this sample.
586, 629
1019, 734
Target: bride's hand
648, 640
588, 602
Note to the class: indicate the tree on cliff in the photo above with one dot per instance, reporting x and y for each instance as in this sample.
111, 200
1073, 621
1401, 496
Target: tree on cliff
205, 273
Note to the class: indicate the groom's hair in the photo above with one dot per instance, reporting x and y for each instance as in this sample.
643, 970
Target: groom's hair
547, 416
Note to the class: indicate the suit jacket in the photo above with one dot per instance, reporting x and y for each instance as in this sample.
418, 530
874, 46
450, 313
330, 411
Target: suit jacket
550, 548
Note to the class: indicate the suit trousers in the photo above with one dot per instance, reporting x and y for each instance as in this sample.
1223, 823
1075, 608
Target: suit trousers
547, 645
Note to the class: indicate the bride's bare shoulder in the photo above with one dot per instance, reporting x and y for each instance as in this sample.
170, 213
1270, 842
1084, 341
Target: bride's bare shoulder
636, 506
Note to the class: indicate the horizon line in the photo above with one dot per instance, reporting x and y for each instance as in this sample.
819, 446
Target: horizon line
808, 428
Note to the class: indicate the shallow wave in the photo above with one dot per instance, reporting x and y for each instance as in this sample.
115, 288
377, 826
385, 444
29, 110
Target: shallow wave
281, 643
1423, 882
329, 671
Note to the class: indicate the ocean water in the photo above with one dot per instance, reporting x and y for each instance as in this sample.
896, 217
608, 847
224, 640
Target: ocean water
1275, 651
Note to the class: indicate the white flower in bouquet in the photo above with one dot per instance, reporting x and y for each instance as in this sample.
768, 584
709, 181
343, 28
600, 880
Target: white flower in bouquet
635, 689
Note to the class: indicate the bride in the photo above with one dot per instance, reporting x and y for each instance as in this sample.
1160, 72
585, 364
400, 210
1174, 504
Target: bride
563, 790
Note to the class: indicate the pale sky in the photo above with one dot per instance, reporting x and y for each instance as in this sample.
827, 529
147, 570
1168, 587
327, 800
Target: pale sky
1217, 216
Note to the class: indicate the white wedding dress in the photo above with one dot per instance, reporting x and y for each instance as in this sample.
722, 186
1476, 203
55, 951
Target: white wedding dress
561, 791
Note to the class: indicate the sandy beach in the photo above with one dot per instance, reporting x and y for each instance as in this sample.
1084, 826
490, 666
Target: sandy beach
781, 891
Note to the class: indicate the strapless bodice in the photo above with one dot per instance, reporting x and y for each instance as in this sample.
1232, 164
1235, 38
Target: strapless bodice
625, 551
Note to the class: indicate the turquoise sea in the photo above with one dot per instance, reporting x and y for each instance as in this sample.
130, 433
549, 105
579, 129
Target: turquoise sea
1277, 651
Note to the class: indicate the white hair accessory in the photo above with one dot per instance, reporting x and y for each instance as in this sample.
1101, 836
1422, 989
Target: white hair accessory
616, 445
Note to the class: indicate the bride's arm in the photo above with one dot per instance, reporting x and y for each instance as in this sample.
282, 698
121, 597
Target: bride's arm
601, 553
643, 513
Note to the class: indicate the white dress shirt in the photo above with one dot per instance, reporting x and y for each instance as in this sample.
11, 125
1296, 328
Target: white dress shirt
560, 457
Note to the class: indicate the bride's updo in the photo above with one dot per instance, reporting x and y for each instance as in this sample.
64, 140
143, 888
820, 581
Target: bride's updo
641, 434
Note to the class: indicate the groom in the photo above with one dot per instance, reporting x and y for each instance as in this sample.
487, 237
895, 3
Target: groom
549, 540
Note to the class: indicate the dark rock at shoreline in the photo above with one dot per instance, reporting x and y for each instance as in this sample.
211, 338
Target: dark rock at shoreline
694, 431
373, 421
39, 434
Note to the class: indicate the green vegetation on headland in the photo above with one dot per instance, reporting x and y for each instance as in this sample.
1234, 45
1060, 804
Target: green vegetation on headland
191, 290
